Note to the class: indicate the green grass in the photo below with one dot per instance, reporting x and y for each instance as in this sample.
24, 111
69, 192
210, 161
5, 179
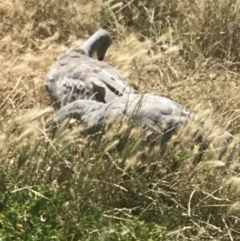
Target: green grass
119, 184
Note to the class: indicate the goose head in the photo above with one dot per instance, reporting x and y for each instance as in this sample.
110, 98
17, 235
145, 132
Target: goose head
99, 42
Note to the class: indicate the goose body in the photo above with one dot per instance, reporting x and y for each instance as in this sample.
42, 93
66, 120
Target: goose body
74, 72
149, 110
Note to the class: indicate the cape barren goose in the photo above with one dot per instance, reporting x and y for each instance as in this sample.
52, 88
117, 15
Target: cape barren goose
146, 110
76, 75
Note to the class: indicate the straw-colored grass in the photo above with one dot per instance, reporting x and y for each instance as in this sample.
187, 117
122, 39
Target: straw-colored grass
116, 185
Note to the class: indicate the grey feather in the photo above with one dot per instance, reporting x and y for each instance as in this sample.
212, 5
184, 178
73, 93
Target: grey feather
149, 111
99, 42
67, 77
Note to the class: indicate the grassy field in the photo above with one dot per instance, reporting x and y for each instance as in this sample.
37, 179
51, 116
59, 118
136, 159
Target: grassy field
115, 186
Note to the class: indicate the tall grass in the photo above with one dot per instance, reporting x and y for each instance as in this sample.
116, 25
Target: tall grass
116, 185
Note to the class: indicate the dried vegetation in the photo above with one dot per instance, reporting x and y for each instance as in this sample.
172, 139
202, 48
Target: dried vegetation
116, 185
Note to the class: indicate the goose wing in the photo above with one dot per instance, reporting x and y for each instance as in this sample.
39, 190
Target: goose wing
71, 71
148, 110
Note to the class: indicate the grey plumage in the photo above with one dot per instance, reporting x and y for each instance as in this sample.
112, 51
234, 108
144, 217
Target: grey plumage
99, 42
147, 110
94, 92
71, 76
151, 111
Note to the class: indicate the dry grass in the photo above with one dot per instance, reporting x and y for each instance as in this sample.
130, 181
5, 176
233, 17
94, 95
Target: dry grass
186, 50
